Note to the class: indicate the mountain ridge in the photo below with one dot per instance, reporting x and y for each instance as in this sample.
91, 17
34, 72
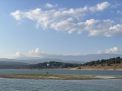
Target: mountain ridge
64, 58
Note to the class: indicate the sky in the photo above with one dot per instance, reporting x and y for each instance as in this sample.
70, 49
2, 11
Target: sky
33, 28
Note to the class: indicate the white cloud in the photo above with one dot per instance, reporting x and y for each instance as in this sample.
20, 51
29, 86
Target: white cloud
17, 15
49, 5
100, 6
111, 50
31, 53
106, 28
90, 22
54, 19
115, 29
35, 52
18, 54
71, 20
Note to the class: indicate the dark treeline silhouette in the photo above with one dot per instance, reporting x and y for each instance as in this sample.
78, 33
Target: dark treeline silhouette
54, 64
102, 62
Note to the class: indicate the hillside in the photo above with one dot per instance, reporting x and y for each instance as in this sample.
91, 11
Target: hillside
112, 63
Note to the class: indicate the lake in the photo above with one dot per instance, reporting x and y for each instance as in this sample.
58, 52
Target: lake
61, 71
7, 84
60, 85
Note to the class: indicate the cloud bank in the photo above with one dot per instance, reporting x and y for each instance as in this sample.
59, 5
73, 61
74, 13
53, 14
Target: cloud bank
71, 20
31, 53
38, 53
111, 50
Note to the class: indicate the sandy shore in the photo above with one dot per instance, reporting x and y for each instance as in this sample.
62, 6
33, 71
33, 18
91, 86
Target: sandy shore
57, 77
93, 69
106, 77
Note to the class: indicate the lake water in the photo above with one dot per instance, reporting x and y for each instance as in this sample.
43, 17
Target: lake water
61, 71
60, 85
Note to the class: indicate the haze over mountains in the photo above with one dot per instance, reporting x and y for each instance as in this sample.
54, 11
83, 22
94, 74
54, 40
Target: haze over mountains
60, 58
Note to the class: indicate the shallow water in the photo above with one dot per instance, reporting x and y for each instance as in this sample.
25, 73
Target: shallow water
61, 71
60, 85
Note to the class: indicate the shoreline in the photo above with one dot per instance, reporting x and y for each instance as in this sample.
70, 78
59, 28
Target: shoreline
95, 69
99, 69
57, 77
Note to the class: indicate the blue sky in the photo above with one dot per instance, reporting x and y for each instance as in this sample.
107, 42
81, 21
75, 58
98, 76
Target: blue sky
67, 27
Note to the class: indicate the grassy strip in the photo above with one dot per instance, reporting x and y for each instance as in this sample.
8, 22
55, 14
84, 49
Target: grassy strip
49, 76
56, 77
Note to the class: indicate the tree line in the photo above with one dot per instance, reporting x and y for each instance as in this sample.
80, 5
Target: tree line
102, 62
54, 64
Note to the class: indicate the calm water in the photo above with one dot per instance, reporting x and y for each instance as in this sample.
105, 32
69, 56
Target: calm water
59, 85
60, 71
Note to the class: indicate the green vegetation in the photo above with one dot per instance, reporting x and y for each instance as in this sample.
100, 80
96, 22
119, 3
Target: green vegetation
103, 62
112, 63
57, 76
54, 64
50, 76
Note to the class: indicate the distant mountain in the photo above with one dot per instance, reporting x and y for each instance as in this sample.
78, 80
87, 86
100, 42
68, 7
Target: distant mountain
73, 59
64, 58
12, 63
54, 61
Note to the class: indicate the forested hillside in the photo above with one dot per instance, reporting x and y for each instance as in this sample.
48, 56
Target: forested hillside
103, 62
